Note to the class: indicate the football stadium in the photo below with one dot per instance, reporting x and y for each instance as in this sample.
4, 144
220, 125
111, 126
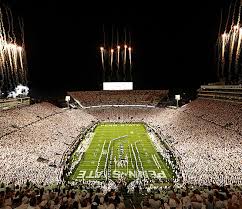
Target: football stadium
119, 146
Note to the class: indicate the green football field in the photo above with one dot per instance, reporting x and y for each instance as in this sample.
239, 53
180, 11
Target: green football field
119, 150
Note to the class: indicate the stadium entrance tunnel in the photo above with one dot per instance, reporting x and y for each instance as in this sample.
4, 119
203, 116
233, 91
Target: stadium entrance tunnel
132, 153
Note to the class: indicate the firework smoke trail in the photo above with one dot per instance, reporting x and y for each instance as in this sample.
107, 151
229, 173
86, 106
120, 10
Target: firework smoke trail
11, 52
111, 55
125, 47
234, 13
116, 57
130, 61
102, 49
218, 52
118, 54
102, 57
102, 54
219, 30
239, 14
11, 55
111, 60
15, 62
227, 22
1, 66
234, 30
124, 65
11, 28
234, 33
238, 50
239, 41
9, 47
224, 42
124, 59
22, 54
20, 57
3, 40
218, 42
12, 40
103, 37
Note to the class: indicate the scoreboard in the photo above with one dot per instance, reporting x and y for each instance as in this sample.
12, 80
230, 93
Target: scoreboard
117, 86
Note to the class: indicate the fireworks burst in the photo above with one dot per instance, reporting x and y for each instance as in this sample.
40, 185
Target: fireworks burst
116, 58
130, 62
102, 50
229, 47
12, 52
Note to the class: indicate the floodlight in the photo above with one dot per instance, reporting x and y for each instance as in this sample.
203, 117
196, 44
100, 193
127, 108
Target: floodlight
68, 98
177, 97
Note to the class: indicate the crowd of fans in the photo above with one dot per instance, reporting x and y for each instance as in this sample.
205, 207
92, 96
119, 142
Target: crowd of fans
122, 114
226, 114
13, 119
204, 134
209, 151
135, 97
34, 148
31, 196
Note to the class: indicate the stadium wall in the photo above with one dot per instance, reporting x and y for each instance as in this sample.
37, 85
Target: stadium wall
6, 104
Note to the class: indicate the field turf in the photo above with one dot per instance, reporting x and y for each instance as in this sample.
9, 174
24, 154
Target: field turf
131, 153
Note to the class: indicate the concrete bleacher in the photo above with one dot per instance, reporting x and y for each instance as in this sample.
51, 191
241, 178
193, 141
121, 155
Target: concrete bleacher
42, 130
9, 103
135, 97
222, 92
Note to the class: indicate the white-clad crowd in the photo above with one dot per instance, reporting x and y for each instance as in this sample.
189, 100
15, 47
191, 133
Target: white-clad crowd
30, 196
209, 151
138, 97
14, 119
45, 137
188, 197
226, 114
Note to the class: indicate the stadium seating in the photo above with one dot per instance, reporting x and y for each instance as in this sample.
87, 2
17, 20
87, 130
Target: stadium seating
135, 97
205, 134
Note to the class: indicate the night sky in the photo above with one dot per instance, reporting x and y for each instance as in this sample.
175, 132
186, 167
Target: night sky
173, 42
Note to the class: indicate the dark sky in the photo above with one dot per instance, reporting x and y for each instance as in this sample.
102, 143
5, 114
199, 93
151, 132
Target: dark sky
173, 41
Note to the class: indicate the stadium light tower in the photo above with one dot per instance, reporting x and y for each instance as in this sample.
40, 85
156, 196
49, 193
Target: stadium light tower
67, 99
177, 97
